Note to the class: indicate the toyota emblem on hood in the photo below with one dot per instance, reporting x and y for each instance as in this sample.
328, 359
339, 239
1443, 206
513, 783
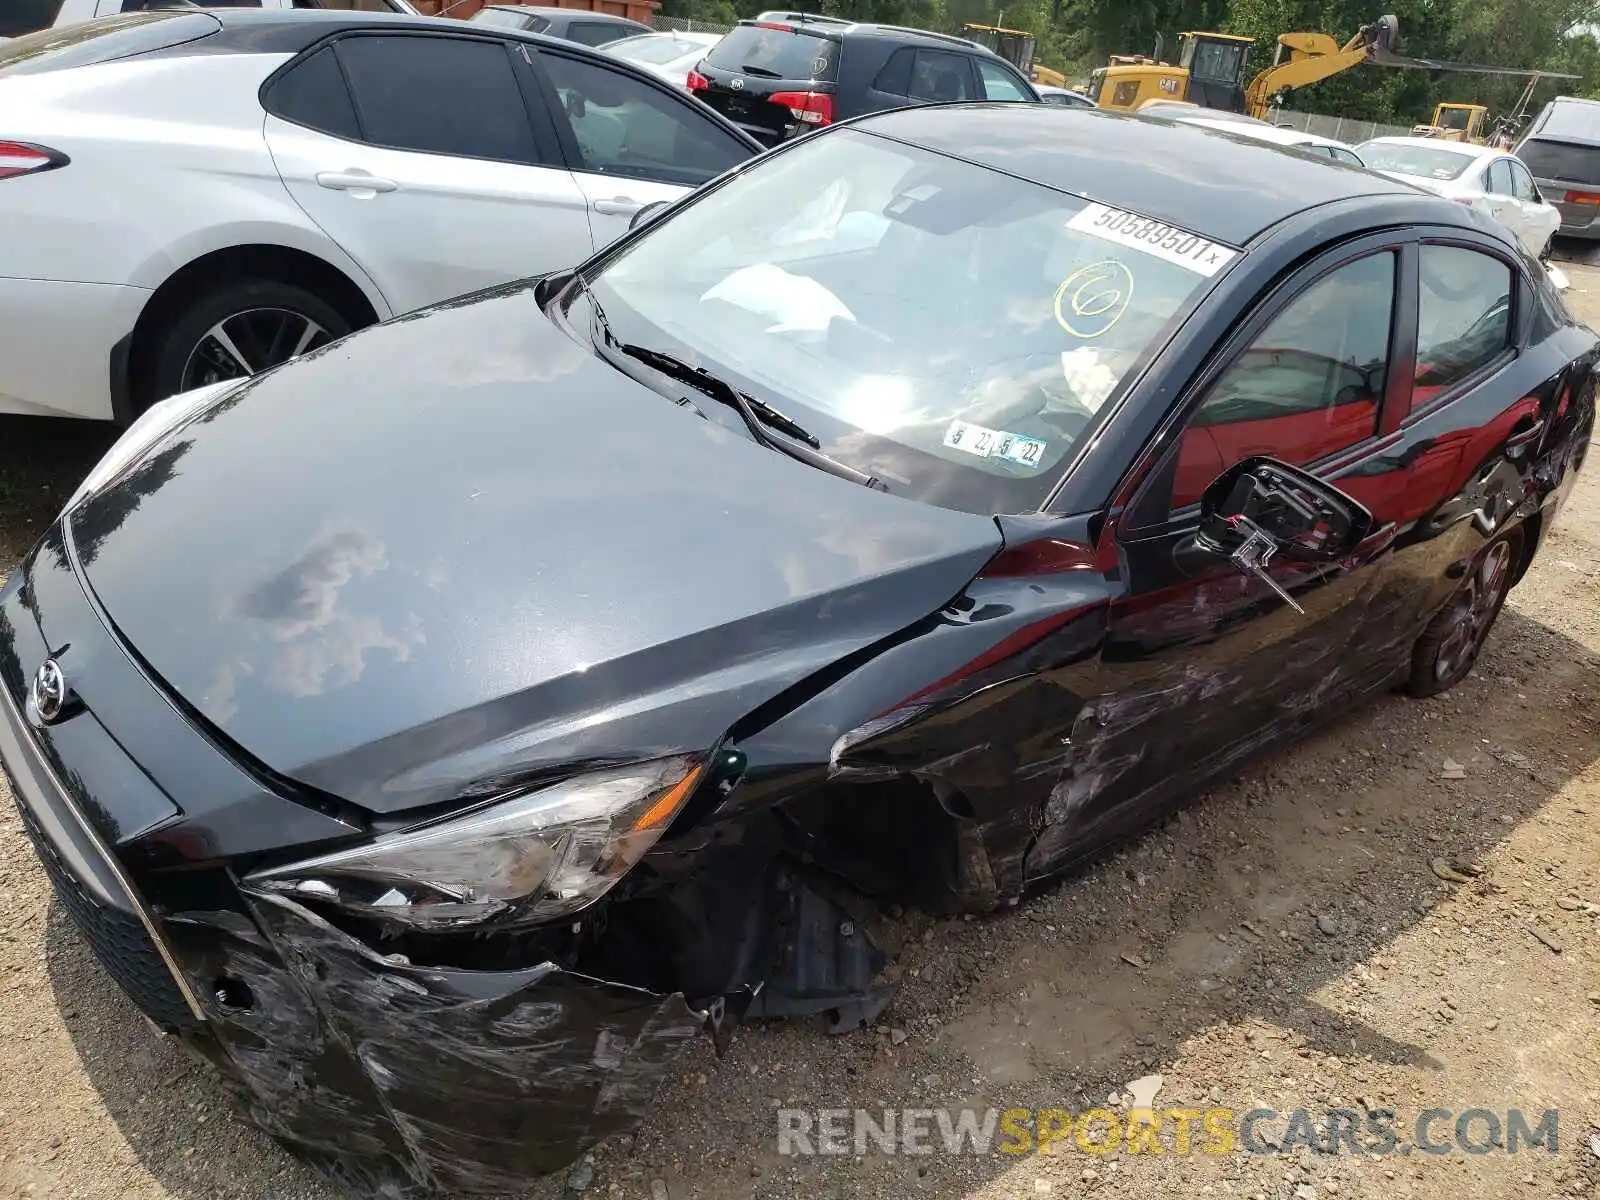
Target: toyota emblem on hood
48, 691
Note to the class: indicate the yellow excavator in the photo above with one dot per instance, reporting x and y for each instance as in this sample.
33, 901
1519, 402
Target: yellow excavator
1210, 69
1016, 47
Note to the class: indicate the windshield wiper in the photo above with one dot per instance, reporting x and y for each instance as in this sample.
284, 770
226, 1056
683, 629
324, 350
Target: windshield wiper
758, 415
761, 72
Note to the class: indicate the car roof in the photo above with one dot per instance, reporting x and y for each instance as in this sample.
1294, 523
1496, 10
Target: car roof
1463, 148
290, 30
1229, 189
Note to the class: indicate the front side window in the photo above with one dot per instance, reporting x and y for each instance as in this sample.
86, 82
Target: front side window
625, 127
1309, 385
398, 81
956, 331
1522, 185
999, 83
1463, 317
938, 77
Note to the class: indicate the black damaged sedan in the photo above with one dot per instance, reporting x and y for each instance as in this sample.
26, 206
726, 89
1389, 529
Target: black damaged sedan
440, 730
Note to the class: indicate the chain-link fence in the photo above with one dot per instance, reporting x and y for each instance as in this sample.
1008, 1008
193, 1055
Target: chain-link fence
687, 25
1343, 129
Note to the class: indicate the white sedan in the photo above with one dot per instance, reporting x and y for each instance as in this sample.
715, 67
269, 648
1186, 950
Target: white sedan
19, 17
1479, 176
669, 56
190, 196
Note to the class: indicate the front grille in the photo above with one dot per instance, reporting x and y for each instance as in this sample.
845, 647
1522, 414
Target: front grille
119, 940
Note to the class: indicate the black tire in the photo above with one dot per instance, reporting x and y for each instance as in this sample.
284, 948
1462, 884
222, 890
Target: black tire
264, 320
1448, 649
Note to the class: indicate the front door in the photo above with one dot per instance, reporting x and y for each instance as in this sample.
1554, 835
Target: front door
630, 142
427, 169
1202, 662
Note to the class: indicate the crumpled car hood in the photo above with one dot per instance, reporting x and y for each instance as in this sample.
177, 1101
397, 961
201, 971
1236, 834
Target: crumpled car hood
458, 547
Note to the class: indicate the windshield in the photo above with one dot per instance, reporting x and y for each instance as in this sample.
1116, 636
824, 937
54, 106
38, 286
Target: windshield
776, 52
955, 331
1424, 162
1454, 118
651, 48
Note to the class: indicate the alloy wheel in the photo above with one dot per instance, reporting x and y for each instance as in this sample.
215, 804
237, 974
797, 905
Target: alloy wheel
248, 343
1473, 612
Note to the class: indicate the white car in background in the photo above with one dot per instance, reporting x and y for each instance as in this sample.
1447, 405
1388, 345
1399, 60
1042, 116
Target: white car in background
1279, 135
192, 195
1490, 180
668, 56
20, 17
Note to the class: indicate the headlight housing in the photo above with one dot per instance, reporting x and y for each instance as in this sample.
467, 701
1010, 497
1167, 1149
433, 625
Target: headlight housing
529, 858
152, 425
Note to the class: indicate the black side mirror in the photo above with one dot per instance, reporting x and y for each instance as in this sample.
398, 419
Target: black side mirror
1262, 508
1307, 520
648, 213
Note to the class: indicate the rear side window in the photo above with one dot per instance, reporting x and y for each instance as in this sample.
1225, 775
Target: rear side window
377, 6
91, 42
597, 33
312, 93
1497, 179
438, 95
18, 17
1565, 161
1463, 316
777, 52
938, 77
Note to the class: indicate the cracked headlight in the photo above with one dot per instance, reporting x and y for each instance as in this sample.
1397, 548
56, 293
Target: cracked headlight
533, 857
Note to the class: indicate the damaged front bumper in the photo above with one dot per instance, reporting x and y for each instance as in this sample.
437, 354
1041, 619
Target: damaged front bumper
404, 1080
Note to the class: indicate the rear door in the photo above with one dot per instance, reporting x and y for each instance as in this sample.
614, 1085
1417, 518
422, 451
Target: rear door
629, 141
427, 168
754, 75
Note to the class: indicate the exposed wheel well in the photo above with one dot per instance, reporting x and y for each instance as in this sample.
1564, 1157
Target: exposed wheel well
227, 266
1531, 529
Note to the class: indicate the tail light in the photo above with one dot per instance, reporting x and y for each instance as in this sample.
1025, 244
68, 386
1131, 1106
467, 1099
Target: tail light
809, 108
24, 158
1583, 197
697, 82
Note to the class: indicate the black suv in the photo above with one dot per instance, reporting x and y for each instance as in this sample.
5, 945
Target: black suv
784, 73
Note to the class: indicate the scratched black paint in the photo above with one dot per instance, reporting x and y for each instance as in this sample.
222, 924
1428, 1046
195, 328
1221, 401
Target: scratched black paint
363, 590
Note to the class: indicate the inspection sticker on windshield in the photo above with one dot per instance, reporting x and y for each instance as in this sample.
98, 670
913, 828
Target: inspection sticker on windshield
994, 443
1146, 234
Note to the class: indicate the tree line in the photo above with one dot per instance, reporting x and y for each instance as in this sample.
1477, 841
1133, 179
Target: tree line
1075, 36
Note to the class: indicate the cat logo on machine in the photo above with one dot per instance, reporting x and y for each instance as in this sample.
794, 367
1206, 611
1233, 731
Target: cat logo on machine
1169, 85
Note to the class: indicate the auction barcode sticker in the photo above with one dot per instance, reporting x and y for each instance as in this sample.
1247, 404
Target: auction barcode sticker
1149, 236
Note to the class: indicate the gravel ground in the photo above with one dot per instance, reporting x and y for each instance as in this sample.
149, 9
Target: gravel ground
1284, 943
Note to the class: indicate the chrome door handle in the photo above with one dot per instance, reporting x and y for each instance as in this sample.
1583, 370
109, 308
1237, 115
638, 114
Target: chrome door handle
618, 206
354, 181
